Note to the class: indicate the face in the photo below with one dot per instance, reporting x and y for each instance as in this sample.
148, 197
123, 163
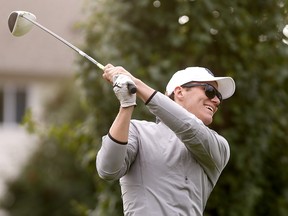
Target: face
195, 101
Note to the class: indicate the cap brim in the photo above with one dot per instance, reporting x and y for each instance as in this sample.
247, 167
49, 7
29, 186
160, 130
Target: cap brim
226, 86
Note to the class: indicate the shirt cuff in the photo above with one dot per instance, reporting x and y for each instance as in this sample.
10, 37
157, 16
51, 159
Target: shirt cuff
150, 98
116, 141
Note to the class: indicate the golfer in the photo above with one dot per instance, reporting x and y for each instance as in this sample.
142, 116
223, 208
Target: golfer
168, 167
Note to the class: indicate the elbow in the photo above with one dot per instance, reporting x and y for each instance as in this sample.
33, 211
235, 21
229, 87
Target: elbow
106, 175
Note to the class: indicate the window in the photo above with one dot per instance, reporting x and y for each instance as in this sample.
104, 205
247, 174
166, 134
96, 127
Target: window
13, 102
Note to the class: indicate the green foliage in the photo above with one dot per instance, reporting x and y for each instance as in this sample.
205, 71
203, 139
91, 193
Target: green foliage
56, 181
51, 183
241, 39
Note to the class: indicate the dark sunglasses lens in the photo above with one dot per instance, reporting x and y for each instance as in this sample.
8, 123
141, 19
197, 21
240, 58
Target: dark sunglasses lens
211, 92
219, 96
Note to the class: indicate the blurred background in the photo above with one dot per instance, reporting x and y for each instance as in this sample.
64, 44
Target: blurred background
55, 106
32, 68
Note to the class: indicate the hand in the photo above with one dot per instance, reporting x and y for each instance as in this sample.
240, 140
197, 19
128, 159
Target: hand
110, 71
120, 87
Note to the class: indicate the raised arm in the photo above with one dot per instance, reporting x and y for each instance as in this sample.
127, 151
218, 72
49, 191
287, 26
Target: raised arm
110, 161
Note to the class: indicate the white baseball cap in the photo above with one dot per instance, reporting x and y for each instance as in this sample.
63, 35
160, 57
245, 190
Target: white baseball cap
226, 85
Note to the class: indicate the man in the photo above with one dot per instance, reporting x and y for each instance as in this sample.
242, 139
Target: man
170, 167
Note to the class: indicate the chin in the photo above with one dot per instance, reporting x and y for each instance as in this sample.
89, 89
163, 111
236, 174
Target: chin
207, 121
205, 118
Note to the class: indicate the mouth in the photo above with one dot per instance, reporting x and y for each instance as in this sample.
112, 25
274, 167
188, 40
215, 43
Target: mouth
209, 108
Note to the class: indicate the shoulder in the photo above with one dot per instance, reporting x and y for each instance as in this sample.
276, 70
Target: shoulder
141, 122
141, 126
220, 138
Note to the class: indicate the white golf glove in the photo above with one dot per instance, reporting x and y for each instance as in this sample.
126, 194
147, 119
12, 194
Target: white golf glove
120, 87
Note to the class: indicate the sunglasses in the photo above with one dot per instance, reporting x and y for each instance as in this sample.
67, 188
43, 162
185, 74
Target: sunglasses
210, 91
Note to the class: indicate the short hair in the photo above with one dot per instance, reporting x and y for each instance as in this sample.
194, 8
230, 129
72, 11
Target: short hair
172, 96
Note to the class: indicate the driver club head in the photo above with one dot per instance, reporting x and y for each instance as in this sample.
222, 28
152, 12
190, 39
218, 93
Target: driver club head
18, 25
285, 31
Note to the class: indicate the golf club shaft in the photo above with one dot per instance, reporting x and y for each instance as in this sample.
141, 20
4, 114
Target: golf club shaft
131, 88
100, 66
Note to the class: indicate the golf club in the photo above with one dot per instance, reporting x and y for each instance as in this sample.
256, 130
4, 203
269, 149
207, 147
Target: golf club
21, 22
285, 33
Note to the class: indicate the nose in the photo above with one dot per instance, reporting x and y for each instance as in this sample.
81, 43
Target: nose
216, 101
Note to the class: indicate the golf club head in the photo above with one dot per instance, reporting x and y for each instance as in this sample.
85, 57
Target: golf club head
285, 41
285, 31
18, 25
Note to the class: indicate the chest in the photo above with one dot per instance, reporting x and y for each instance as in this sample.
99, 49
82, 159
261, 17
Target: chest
160, 149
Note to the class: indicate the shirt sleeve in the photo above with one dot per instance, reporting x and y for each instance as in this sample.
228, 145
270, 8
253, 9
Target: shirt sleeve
209, 148
114, 159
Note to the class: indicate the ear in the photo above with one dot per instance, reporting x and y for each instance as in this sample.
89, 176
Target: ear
178, 93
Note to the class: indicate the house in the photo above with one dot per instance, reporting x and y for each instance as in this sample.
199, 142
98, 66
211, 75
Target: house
31, 67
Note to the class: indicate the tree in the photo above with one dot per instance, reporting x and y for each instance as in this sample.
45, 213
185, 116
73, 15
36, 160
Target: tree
55, 181
239, 39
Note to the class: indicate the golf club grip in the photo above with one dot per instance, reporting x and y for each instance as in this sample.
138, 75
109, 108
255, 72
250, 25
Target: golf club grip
131, 88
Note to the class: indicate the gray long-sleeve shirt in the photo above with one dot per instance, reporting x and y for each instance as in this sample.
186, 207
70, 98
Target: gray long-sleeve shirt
167, 168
